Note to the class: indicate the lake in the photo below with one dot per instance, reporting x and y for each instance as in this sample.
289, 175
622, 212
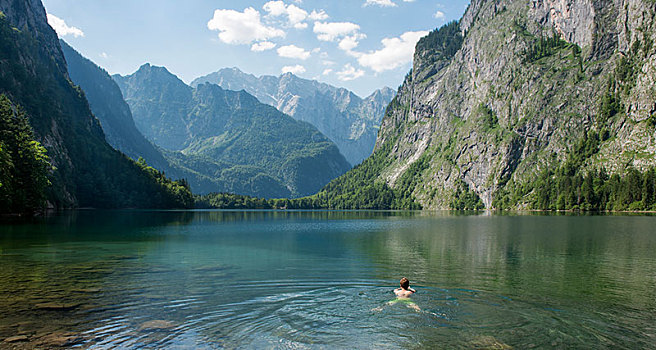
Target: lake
267, 279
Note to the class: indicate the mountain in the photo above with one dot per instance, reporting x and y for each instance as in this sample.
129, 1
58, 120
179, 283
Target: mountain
88, 172
243, 145
348, 120
541, 104
107, 104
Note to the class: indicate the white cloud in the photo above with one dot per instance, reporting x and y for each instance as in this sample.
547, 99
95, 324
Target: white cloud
295, 15
275, 8
347, 33
349, 73
331, 31
104, 55
241, 27
327, 62
382, 3
297, 69
62, 29
327, 71
440, 15
293, 51
350, 42
320, 15
262, 46
395, 52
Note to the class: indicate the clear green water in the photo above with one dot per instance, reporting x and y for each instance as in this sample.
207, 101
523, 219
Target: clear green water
322, 280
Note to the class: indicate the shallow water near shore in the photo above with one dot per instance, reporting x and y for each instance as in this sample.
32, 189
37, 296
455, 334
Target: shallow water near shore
265, 279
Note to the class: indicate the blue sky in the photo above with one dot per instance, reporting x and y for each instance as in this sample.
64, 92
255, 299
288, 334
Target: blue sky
362, 45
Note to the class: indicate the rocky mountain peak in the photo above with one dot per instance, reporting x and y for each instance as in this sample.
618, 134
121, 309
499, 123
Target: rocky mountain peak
511, 90
348, 120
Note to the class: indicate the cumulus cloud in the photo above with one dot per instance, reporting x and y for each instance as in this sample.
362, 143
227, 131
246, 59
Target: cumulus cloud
236, 27
62, 29
262, 46
104, 55
440, 15
350, 42
320, 15
346, 33
395, 52
331, 31
327, 71
297, 69
295, 15
382, 3
293, 51
349, 73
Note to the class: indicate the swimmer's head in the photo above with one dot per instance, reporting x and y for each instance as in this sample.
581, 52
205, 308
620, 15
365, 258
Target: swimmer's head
405, 283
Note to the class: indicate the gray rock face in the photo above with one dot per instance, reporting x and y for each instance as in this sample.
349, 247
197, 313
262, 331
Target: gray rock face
348, 120
490, 116
30, 16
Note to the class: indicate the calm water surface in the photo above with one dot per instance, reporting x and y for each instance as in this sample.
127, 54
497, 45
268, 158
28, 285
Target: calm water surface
323, 279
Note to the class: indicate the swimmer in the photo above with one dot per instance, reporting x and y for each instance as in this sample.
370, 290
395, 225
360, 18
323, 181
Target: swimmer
405, 291
403, 296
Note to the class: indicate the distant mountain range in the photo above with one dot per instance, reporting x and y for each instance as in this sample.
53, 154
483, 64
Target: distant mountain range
240, 144
348, 120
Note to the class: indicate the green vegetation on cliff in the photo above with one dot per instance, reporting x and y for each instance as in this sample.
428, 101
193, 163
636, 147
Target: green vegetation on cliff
24, 164
443, 42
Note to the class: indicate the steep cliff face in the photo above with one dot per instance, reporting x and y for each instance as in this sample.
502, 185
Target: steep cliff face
348, 120
514, 88
29, 16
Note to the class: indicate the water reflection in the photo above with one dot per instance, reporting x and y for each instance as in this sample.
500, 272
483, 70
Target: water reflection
214, 279
573, 263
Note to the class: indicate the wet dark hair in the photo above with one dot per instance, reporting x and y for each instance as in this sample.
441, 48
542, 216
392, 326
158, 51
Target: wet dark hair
405, 283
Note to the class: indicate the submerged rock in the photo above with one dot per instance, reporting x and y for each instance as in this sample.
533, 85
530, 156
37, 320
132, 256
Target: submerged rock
489, 342
60, 339
16, 339
156, 325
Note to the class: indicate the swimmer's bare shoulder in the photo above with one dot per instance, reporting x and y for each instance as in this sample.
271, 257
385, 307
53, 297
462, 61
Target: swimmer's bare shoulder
404, 293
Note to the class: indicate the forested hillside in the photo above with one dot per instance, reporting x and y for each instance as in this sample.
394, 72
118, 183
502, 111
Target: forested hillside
87, 172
